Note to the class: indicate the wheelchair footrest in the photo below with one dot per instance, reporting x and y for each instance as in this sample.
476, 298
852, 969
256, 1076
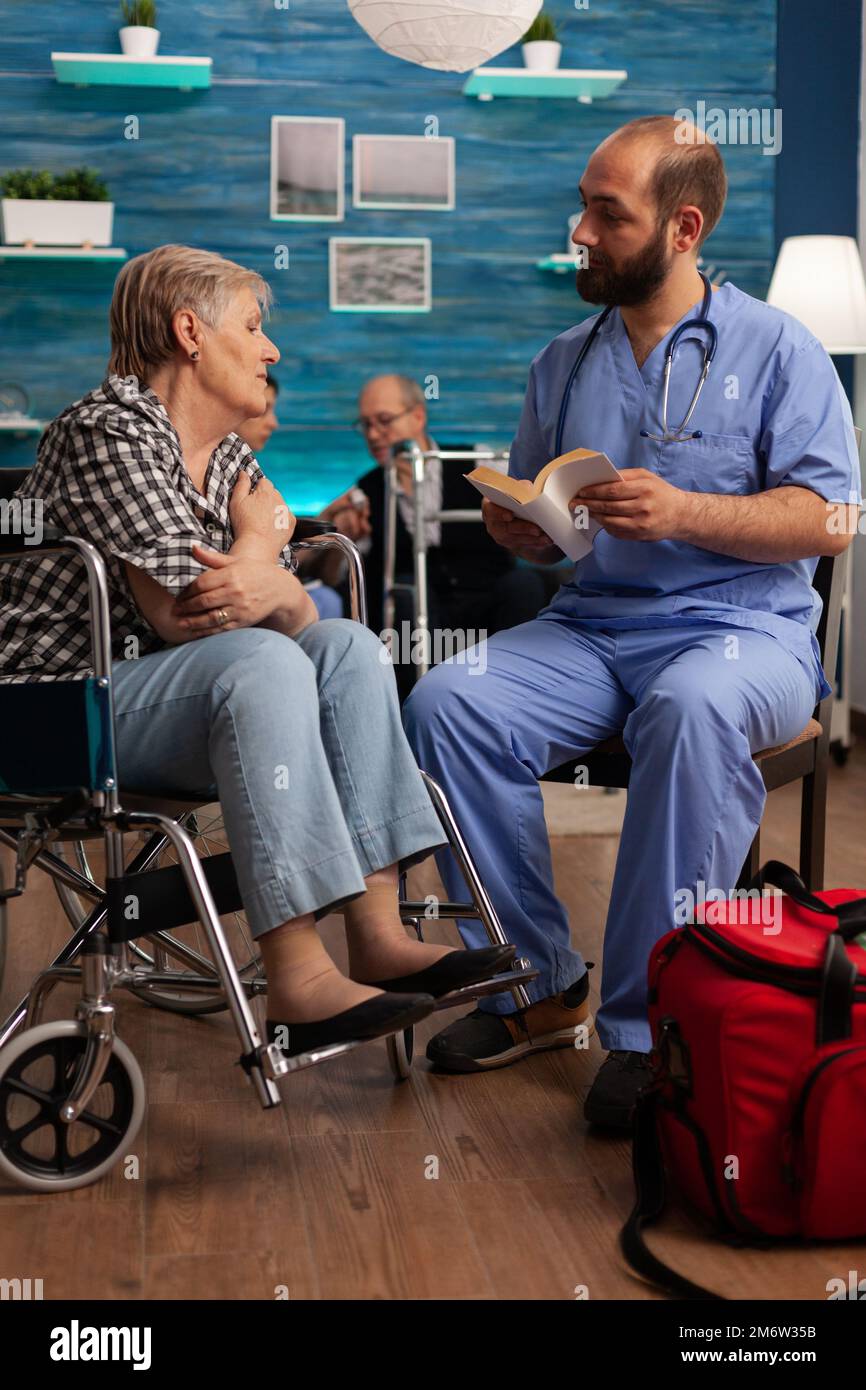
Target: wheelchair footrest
480, 991
159, 900
321, 1054
410, 910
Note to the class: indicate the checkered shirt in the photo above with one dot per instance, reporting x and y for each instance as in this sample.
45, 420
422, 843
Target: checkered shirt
110, 470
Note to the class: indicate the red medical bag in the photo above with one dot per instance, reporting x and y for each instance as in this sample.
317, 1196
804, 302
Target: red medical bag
757, 1109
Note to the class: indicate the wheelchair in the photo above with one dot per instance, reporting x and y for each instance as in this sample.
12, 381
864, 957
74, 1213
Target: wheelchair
72, 1095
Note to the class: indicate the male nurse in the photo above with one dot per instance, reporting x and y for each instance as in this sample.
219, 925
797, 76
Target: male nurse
688, 629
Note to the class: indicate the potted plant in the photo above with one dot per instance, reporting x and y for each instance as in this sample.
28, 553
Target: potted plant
541, 50
42, 209
139, 37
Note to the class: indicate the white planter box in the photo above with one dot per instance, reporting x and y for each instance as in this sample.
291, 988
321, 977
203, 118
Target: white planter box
542, 55
55, 222
138, 41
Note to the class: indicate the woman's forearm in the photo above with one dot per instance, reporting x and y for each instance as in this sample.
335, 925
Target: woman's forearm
255, 547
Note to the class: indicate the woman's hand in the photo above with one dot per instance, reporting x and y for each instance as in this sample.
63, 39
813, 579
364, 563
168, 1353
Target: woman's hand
244, 588
261, 521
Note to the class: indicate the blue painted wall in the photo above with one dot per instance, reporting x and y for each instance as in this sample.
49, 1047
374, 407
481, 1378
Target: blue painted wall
824, 140
199, 174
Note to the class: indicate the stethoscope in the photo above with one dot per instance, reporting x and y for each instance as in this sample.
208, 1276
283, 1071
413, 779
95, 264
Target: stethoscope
667, 436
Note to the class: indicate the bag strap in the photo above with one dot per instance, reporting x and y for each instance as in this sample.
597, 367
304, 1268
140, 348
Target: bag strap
850, 916
649, 1181
838, 978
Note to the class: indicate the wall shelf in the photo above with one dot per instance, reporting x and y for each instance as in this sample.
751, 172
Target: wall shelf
582, 84
62, 253
560, 265
20, 425
120, 70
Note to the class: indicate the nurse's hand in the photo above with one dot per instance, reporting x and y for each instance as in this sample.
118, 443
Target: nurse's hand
642, 507
522, 538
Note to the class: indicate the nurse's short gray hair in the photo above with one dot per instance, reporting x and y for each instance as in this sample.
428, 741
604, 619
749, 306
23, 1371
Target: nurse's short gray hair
152, 287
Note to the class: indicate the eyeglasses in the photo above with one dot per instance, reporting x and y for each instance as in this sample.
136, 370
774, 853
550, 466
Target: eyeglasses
365, 423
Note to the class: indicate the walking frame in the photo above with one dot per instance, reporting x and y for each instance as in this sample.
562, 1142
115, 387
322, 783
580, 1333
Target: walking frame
419, 458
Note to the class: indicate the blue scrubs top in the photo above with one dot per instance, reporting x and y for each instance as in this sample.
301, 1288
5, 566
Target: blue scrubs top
772, 412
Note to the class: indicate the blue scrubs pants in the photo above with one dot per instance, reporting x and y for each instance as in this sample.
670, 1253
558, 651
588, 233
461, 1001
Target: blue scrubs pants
692, 703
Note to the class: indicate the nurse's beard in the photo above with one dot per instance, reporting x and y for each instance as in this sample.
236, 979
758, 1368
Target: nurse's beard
635, 282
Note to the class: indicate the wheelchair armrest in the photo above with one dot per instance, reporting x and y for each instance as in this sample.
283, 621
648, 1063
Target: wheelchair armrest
323, 538
308, 526
18, 545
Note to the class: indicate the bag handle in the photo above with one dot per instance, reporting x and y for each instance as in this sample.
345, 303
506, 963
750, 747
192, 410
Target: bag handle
850, 916
834, 1021
649, 1181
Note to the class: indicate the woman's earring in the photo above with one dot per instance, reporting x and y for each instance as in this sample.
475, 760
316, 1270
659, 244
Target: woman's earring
193, 357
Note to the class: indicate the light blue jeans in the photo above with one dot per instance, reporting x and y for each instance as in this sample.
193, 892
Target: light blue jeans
300, 740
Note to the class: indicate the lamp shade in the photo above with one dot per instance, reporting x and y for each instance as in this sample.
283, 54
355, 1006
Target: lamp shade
819, 279
452, 35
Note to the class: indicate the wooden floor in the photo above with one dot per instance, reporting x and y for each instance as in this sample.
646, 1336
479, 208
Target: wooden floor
329, 1196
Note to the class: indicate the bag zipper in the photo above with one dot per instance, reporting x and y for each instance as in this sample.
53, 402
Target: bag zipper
800, 1110
757, 968
795, 1129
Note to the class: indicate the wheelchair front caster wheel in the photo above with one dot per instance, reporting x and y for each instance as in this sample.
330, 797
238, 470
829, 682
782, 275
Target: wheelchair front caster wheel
37, 1071
401, 1050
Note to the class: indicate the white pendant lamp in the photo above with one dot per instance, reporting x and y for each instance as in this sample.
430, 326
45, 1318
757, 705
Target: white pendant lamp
452, 35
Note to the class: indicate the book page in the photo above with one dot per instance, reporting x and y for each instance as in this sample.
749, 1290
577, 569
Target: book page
550, 509
558, 523
564, 482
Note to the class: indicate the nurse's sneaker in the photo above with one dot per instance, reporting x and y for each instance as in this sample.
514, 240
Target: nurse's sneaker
614, 1092
482, 1041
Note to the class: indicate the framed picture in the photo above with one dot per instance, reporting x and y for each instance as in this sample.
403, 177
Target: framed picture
380, 275
307, 168
403, 171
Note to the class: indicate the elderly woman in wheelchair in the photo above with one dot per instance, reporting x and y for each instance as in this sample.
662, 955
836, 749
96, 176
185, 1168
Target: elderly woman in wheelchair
214, 678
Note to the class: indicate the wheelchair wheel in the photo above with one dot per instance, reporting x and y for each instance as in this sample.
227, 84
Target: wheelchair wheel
2, 931
208, 834
37, 1070
401, 1050
74, 905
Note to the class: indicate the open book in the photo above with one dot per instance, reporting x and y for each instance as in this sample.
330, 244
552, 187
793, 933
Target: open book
545, 500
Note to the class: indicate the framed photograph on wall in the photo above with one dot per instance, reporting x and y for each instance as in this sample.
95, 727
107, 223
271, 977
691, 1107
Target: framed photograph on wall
403, 171
307, 168
380, 275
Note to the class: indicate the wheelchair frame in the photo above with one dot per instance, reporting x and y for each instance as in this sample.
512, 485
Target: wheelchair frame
193, 889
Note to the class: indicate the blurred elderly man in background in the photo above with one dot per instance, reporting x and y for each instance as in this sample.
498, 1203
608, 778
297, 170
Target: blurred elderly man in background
473, 584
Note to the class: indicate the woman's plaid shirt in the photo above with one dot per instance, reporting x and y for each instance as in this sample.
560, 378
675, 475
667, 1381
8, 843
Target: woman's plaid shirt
110, 470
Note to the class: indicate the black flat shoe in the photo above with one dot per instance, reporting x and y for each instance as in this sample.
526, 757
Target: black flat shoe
375, 1018
454, 971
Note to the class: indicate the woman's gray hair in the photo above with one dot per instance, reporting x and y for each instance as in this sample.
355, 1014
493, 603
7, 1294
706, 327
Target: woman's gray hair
152, 287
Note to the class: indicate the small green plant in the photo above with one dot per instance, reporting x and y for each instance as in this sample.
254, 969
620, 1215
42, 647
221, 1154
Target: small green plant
75, 185
541, 30
139, 12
